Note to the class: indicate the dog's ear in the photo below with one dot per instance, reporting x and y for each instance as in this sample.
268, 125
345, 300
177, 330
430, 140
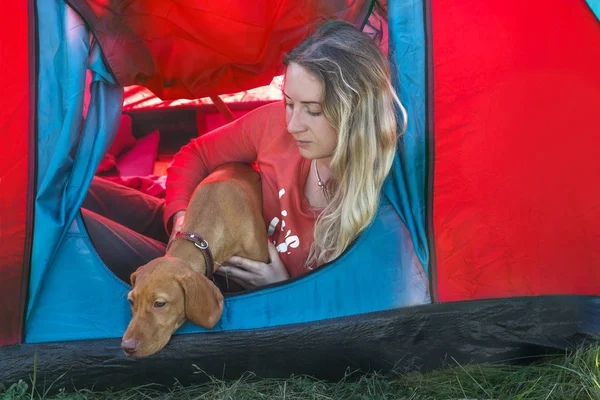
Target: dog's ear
203, 300
133, 277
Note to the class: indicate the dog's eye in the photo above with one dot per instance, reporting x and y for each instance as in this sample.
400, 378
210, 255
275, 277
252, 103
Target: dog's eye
159, 304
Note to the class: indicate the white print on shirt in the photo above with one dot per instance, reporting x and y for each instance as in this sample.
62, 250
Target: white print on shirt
290, 241
272, 226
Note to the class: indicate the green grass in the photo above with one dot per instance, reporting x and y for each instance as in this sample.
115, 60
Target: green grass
573, 376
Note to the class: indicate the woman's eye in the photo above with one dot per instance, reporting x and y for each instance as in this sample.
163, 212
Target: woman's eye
159, 304
290, 105
130, 302
313, 113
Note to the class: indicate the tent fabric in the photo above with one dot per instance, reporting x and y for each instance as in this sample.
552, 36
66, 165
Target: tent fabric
69, 151
595, 6
166, 46
406, 187
139, 98
351, 285
515, 211
66, 262
14, 165
516, 204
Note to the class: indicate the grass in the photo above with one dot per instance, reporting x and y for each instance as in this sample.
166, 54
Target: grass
573, 376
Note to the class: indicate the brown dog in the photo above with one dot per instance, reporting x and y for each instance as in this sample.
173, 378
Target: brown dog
226, 209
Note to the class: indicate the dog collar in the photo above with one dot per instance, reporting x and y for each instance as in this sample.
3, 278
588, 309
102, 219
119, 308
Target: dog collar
200, 243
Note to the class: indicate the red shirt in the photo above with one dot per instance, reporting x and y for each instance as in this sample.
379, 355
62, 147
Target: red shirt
261, 136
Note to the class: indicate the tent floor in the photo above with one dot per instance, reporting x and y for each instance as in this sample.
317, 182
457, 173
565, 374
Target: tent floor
513, 330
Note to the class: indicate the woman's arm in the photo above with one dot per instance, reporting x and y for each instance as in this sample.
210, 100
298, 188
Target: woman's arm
238, 141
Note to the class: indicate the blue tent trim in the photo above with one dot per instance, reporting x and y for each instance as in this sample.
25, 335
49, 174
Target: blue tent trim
381, 271
595, 6
101, 309
406, 186
67, 155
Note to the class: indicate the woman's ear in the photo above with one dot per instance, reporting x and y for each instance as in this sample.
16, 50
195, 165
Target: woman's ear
203, 300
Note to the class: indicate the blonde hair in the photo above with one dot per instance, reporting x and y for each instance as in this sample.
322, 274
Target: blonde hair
359, 100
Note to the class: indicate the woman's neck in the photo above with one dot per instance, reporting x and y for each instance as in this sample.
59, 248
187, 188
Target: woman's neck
318, 170
323, 166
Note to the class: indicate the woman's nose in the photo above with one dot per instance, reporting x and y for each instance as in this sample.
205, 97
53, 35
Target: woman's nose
294, 122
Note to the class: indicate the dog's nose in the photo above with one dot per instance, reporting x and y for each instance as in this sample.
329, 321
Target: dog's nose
129, 346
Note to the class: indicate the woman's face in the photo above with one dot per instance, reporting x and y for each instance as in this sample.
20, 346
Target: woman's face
315, 136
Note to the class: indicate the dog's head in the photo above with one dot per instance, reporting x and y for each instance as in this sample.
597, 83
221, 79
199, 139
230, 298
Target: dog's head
165, 293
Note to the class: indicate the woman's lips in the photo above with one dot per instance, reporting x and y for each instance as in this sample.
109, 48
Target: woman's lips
302, 143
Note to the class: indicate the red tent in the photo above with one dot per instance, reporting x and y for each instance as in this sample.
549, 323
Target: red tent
493, 194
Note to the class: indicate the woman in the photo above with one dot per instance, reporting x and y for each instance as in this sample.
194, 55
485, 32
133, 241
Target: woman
322, 161
323, 155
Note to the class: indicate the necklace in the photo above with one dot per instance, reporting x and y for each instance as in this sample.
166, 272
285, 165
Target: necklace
320, 183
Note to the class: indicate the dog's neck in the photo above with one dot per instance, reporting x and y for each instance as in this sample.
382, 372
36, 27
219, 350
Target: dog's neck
187, 251
220, 212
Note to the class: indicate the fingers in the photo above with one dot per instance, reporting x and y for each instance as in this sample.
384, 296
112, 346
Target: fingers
249, 273
247, 264
235, 272
273, 253
276, 262
230, 278
237, 275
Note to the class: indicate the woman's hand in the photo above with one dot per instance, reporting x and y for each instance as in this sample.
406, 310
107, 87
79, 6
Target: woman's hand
177, 223
251, 274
